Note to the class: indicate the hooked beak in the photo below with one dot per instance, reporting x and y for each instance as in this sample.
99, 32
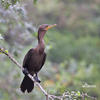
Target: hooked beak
50, 26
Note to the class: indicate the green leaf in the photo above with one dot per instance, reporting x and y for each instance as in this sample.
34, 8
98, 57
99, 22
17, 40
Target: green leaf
6, 51
78, 93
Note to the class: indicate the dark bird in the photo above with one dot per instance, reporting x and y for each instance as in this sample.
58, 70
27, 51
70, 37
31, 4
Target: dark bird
34, 60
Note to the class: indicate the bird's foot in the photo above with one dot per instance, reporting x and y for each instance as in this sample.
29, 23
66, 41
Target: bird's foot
25, 71
37, 80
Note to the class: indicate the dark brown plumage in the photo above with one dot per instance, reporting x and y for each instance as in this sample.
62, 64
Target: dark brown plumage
34, 60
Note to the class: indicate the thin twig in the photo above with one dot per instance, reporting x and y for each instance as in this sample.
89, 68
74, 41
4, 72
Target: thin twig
93, 98
10, 57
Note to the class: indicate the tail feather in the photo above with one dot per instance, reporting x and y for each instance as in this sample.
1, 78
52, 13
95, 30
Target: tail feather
27, 84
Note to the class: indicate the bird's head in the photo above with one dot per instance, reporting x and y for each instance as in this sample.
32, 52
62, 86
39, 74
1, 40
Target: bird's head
43, 29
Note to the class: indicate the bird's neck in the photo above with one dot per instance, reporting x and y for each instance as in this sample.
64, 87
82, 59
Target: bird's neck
41, 45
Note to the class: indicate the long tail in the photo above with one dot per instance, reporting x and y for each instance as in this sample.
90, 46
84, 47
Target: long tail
27, 84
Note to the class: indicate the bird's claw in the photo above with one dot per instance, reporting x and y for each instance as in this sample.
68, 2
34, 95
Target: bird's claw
37, 80
25, 71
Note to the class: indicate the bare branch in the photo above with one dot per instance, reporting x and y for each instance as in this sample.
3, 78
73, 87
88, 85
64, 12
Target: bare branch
48, 96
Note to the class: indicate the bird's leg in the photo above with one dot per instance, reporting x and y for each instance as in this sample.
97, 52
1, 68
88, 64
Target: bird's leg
25, 71
36, 78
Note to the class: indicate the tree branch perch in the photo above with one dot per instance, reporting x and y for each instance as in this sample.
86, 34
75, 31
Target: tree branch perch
48, 96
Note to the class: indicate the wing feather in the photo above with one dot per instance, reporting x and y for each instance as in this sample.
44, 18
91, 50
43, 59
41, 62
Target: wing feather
27, 58
44, 59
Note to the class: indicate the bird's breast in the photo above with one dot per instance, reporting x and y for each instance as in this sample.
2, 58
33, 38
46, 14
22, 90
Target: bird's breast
36, 62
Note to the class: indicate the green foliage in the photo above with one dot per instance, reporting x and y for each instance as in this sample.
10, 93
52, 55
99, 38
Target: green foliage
7, 3
78, 93
34, 1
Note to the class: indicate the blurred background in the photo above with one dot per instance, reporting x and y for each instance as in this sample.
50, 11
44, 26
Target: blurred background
73, 47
